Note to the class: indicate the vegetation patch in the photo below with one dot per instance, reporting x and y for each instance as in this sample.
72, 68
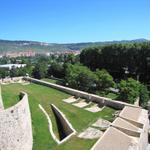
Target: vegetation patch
79, 118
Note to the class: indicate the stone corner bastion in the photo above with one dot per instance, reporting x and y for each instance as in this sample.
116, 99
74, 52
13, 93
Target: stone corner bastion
16, 127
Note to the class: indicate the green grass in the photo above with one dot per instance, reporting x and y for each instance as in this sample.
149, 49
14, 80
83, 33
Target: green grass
112, 96
109, 95
79, 118
50, 80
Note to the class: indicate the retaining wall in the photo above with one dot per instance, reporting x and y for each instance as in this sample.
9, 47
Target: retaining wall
143, 141
1, 101
15, 126
66, 126
92, 97
11, 80
128, 131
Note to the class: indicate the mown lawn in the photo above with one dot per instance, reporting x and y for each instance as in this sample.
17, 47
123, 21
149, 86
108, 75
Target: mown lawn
79, 118
50, 80
112, 96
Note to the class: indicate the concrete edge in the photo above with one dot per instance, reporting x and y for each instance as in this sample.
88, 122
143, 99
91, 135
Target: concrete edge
129, 132
92, 97
51, 127
68, 123
135, 123
24, 94
24, 98
1, 100
95, 145
49, 124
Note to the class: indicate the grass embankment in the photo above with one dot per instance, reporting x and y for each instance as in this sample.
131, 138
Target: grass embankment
109, 95
79, 118
112, 96
50, 80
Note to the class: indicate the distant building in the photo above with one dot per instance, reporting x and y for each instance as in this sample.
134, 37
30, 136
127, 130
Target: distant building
10, 66
28, 53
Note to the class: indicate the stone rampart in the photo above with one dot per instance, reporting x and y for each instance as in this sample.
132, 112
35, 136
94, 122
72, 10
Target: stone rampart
128, 131
91, 97
67, 128
15, 126
1, 101
143, 141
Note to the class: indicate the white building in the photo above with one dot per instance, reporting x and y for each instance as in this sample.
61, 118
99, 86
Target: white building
10, 66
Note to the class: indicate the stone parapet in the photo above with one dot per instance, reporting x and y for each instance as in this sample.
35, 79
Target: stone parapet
91, 97
15, 126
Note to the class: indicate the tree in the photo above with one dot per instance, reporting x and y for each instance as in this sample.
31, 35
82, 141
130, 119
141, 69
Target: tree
22, 71
4, 72
80, 77
13, 72
39, 71
90, 57
115, 57
129, 90
144, 95
104, 80
56, 70
70, 58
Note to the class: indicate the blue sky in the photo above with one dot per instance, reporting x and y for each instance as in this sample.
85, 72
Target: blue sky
62, 21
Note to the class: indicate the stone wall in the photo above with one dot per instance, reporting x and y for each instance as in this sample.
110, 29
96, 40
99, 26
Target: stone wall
67, 128
11, 80
15, 126
137, 135
143, 141
1, 101
128, 131
91, 97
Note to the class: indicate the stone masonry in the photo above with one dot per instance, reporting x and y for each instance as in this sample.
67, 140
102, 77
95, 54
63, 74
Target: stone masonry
15, 126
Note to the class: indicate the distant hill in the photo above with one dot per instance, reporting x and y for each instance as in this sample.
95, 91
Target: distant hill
7, 45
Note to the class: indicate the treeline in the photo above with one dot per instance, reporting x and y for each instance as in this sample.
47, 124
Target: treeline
82, 78
99, 70
120, 60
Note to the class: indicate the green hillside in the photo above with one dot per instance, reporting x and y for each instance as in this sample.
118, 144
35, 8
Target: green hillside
6, 45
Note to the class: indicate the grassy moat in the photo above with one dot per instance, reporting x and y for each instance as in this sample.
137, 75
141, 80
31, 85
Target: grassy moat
79, 118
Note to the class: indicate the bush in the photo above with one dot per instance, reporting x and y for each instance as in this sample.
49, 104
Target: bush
104, 80
80, 77
129, 90
144, 96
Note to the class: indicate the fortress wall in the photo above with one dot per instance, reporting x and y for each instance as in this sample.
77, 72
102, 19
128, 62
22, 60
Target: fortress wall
67, 127
135, 123
1, 101
11, 80
143, 141
91, 97
128, 131
15, 126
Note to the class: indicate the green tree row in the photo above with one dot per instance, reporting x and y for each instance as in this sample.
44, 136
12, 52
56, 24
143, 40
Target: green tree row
120, 59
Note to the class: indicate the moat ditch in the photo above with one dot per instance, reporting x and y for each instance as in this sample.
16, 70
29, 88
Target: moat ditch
63, 126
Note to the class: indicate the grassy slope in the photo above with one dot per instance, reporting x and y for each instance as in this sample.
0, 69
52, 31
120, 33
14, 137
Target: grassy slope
109, 95
112, 96
50, 80
79, 118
